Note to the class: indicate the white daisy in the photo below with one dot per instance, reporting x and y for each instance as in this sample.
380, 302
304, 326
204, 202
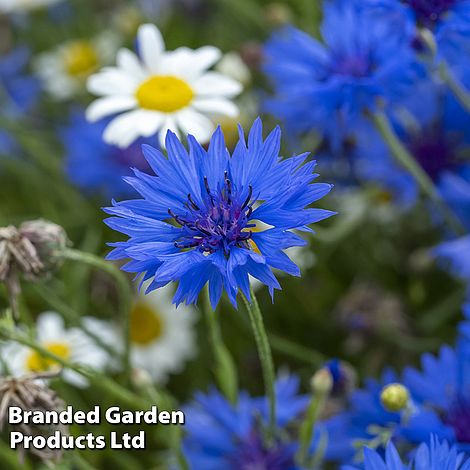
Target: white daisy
66, 69
72, 344
12, 6
159, 91
162, 336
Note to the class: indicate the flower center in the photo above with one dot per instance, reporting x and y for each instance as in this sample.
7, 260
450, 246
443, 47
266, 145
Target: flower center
253, 454
354, 66
146, 325
434, 151
81, 58
459, 419
222, 223
164, 93
430, 12
35, 362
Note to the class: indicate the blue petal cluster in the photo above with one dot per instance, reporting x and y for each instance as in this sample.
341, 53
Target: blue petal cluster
440, 406
448, 20
433, 456
230, 437
208, 216
366, 57
433, 126
95, 166
19, 92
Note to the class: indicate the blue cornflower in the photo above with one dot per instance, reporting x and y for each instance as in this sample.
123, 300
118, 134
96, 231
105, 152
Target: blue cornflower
94, 165
448, 20
364, 411
209, 216
18, 91
444, 387
433, 127
456, 253
365, 58
221, 435
432, 456
365, 418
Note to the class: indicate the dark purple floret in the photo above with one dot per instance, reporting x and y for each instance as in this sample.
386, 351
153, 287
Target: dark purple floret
221, 223
353, 66
430, 12
253, 454
459, 419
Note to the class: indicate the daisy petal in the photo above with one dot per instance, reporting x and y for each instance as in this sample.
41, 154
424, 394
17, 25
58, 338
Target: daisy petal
108, 106
192, 122
112, 81
151, 46
126, 128
216, 106
169, 125
202, 59
129, 63
213, 83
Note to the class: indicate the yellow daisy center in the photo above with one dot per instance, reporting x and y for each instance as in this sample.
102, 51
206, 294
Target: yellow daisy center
164, 93
35, 362
259, 227
81, 58
146, 324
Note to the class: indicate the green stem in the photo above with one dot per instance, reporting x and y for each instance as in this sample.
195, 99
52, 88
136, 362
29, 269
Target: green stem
124, 291
308, 425
406, 159
265, 355
296, 351
225, 370
455, 86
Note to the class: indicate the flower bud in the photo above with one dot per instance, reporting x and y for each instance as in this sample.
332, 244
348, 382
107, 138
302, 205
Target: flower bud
322, 382
395, 397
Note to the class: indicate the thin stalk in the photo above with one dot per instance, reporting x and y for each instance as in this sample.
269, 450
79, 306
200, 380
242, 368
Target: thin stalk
307, 427
225, 370
459, 91
265, 356
405, 159
296, 351
124, 291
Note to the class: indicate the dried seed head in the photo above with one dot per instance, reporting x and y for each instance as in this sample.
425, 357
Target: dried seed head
29, 252
30, 393
48, 238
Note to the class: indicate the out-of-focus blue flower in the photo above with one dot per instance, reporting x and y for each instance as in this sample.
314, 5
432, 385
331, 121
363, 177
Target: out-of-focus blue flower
94, 165
220, 435
18, 91
364, 410
465, 325
456, 253
443, 386
365, 418
432, 456
7, 143
214, 217
366, 57
448, 20
434, 128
